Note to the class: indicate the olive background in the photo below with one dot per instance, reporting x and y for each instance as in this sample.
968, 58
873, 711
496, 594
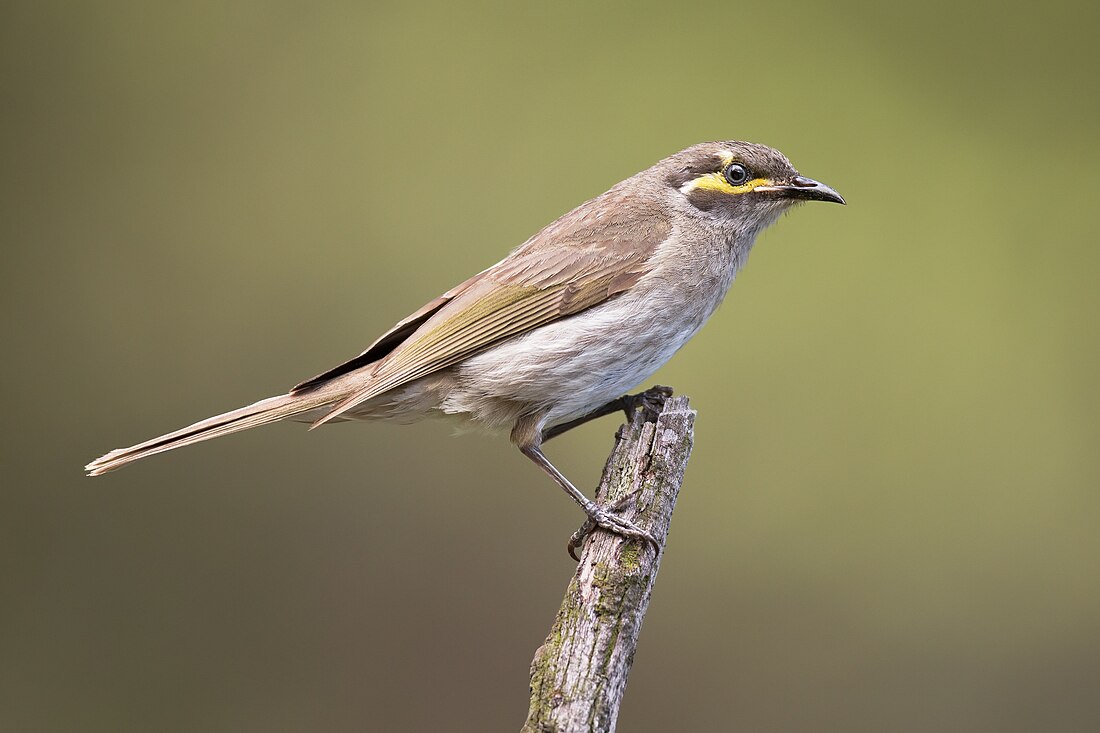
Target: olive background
890, 521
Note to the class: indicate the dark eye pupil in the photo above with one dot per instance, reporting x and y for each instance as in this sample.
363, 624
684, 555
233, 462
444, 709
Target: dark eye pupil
736, 174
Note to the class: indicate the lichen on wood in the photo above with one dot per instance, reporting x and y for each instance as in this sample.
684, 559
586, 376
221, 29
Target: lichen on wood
579, 674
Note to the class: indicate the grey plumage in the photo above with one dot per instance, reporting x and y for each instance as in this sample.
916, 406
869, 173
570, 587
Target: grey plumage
580, 313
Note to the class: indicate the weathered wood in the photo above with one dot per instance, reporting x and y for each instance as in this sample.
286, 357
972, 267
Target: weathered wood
579, 674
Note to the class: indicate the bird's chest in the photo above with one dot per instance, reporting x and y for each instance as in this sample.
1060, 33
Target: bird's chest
689, 283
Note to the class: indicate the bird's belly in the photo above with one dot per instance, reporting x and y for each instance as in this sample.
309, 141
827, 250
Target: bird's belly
570, 367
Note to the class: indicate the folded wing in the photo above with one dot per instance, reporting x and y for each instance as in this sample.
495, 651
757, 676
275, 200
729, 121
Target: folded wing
592, 254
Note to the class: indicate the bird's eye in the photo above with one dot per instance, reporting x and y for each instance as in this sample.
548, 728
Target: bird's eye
736, 174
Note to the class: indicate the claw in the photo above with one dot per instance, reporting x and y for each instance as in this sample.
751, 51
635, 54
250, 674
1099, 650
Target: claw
651, 402
578, 537
602, 518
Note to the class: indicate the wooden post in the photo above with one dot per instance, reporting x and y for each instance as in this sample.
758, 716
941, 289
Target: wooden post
579, 674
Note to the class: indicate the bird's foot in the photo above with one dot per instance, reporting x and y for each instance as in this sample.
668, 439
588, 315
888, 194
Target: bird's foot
650, 402
607, 519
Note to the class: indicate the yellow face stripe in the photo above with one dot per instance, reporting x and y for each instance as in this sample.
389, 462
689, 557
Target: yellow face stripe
718, 182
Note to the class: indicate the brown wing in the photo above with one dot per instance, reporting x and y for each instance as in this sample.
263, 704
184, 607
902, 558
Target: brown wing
589, 255
388, 341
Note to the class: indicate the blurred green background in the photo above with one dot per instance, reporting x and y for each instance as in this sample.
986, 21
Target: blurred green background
891, 518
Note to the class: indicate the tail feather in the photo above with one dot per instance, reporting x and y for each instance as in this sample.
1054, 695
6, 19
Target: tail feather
263, 412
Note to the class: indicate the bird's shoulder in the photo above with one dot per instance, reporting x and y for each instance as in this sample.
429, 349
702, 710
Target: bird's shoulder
616, 228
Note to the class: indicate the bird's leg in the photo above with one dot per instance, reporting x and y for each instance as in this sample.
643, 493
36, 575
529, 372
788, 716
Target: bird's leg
652, 401
526, 436
577, 538
598, 516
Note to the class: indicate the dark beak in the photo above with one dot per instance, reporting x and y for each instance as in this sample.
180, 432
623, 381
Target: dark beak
804, 189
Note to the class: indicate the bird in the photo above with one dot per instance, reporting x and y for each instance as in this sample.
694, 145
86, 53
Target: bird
564, 326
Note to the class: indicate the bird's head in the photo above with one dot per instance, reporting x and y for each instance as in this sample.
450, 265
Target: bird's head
740, 182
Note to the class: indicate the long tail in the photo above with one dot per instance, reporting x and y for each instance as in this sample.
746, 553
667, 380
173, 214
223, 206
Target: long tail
259, 413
